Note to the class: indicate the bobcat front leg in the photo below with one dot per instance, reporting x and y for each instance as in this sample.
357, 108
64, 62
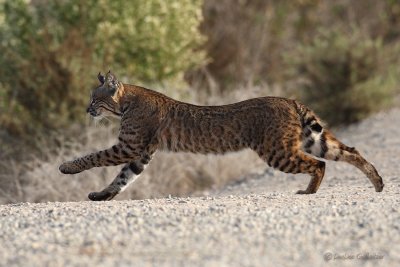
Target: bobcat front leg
129, 173
117, 154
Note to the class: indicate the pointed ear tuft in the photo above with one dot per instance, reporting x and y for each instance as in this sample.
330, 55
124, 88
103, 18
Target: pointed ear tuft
101, 78
111, 82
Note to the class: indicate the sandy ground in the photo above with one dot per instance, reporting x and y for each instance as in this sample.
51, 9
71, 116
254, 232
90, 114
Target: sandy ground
257, 222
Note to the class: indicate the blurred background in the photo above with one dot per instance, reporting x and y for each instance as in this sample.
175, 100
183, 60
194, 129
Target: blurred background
339, 57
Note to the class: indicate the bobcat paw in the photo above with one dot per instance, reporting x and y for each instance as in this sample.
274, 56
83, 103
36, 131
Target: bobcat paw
304, 192
102, 196
379, 187
69, 167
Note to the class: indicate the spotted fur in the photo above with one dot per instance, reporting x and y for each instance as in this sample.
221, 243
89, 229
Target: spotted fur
284, 133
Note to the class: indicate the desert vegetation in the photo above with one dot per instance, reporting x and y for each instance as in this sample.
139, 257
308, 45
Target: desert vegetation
339, 57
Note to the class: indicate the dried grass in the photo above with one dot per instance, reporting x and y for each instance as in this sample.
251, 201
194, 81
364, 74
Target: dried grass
177, 174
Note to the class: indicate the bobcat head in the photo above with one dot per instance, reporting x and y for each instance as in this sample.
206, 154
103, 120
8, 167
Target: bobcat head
103, 100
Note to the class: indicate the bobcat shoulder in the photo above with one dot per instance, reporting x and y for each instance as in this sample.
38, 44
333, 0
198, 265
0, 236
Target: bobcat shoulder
286, 134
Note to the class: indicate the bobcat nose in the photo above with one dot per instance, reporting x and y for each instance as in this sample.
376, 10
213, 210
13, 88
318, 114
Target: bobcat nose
92, 111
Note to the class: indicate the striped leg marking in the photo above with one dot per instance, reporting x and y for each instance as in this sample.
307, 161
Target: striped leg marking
129, 173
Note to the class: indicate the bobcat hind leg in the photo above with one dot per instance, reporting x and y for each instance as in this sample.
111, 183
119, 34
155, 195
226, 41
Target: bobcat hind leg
295, 161
328, 147
337, 151
317, 172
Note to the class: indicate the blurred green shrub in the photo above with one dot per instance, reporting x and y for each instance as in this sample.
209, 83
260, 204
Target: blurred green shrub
246, 40
340, 75
51, 52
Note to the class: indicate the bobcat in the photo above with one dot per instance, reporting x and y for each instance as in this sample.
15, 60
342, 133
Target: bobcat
284, 133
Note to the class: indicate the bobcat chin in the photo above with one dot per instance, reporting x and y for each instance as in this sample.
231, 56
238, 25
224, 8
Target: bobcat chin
287, 135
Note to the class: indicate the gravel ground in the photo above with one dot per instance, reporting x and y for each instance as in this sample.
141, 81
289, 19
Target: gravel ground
257, 222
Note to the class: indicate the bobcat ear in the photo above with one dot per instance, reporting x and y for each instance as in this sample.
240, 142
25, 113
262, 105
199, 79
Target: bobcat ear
111, 82
101, 78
